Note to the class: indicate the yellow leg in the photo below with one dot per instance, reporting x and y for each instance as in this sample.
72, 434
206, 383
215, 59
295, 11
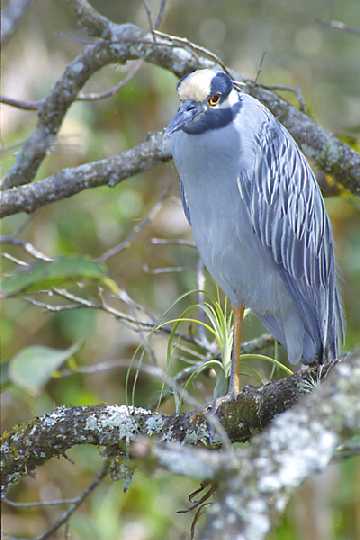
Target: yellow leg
235, 365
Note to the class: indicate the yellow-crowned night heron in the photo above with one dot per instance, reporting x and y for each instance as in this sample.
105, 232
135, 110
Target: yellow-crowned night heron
257, 217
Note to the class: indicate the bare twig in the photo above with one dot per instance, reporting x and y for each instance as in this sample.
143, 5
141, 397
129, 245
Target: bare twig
96, 96
27, 105
64, 518
151, 325
259, 68
149, 18
340, 26
172, 242
163, 269
27, 246
68, 182
34, 105
139, 227
11, 16
174, 41
154, 25
36, 504
160, 15
286, 88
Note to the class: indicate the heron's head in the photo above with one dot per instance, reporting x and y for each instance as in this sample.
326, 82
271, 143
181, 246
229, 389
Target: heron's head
208, 101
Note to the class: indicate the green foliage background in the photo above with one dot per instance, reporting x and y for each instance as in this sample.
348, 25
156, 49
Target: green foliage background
325, 64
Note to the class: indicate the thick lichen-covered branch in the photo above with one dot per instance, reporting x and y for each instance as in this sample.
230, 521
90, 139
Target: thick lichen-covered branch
254, 483
29, 446
298, 444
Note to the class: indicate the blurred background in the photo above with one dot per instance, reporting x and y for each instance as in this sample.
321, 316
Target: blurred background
279, 43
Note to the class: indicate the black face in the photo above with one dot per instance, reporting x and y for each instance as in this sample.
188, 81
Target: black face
212, 119
221, 84
196, 118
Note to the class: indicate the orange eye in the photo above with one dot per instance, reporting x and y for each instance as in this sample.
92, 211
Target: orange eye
214, 100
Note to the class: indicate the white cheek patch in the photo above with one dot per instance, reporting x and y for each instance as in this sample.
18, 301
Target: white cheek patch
231, 99
196, 86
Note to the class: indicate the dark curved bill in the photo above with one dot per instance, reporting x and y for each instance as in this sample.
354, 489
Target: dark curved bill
186, 113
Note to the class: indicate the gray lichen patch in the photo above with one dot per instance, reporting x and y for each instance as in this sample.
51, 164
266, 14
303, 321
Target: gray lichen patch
154, 424
296, 447
125, 420
200, 434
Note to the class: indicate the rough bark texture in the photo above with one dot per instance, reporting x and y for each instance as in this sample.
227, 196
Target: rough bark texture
120, 43
298, 444
31, 445
254, 483
68, 182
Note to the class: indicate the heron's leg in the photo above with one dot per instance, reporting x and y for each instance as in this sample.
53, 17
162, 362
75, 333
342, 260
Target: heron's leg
234, 387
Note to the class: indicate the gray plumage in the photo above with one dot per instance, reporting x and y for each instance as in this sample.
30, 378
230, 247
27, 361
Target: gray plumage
257, 215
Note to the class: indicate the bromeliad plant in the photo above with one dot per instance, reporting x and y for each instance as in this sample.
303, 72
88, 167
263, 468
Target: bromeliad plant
216, 321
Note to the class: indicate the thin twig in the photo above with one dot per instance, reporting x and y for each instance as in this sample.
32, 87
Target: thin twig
150, 326
11, 16
135, 231
340, 26
149, 18
163, 269
154, 25
34, 105
94, 96
172, 242
259, 69
64, 518
26, 104
53, 308
294, 90
36, 504
176, 40
160, 15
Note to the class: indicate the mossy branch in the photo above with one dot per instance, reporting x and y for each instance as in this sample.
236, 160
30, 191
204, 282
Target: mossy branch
27, 447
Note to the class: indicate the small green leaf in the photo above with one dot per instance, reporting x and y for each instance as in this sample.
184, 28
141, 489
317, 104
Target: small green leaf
32, 367
46, 275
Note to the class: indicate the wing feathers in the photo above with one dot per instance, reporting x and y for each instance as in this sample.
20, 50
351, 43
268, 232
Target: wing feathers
287, 214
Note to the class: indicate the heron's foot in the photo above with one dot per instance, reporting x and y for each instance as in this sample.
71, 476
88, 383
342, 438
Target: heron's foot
213, 406
209, 486
198, 504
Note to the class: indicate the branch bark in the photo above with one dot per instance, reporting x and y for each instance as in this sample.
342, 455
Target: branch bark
11, 17
68, 182
255, 483
298, 444
128, 42
28, 447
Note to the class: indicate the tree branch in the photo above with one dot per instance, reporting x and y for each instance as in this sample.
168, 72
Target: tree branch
340, 26
10, 18
65, 516
298, 444
28, 447
68, 182
128, 42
